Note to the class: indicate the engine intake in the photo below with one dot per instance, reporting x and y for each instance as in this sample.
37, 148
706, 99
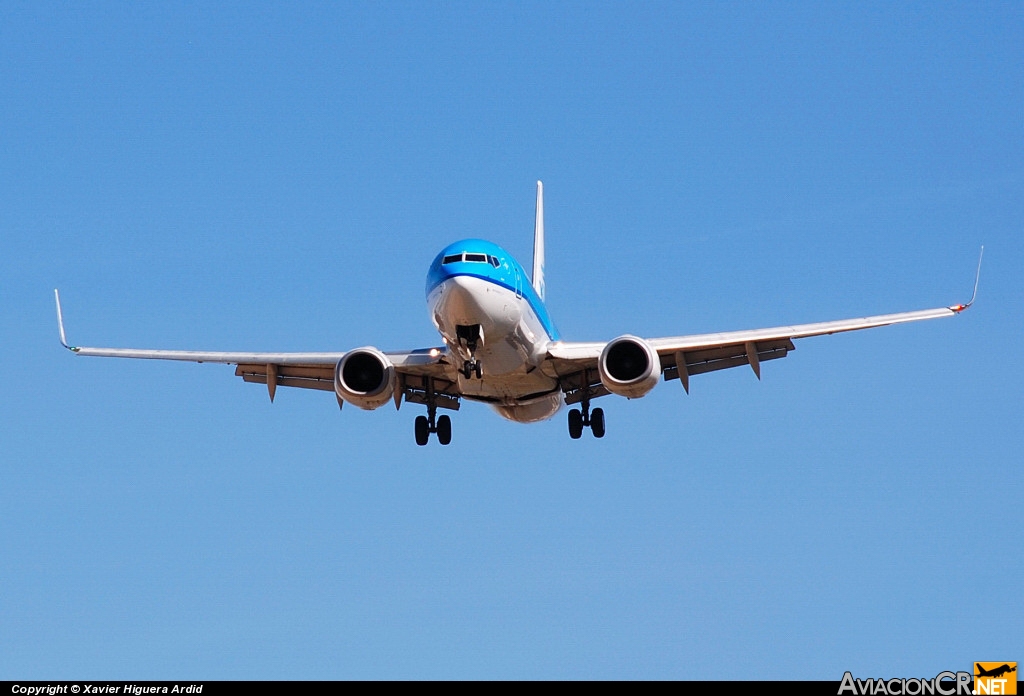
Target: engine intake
629, 367
365, 378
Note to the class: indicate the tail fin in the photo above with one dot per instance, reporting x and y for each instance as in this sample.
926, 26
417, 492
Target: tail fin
538, 244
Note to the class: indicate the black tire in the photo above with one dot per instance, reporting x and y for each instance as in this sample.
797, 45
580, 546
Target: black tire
575, 424
597, 422
422, 430
479, 371
444, 430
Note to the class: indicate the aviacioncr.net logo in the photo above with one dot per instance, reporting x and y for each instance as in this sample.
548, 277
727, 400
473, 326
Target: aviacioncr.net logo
942, 684
995, 678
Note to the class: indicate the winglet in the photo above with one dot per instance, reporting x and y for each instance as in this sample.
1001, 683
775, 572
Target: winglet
977, 276
538, 244
60, 324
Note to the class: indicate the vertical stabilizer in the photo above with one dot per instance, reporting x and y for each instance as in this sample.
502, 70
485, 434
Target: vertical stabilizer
538, 244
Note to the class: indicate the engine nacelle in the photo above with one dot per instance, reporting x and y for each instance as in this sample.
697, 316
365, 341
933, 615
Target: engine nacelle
629, 367
365, 377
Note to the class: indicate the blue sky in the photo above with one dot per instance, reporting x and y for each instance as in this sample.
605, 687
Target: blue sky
263, 177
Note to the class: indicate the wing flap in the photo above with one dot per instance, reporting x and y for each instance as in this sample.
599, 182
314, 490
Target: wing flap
302, 376
416, 370
585, 382
723, 357
419, 389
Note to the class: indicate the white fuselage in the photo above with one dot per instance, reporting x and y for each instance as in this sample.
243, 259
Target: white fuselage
511, 346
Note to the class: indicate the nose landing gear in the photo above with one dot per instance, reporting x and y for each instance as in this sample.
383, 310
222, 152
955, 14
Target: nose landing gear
470, 336
472, 367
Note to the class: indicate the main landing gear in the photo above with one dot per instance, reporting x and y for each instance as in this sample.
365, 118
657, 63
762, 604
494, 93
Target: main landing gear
580, 419
430, 423
424, 427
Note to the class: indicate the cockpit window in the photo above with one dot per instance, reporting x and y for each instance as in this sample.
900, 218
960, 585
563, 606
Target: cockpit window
472, 258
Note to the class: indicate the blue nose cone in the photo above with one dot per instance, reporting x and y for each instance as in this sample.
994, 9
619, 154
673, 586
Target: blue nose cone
473, 257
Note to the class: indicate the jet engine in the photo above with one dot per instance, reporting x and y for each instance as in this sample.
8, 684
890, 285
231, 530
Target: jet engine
365, 378
629, 367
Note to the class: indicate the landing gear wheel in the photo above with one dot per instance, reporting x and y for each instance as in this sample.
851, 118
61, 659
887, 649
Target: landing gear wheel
575, 424
423, 430
597, 422
583, 417
472, 367
444, 430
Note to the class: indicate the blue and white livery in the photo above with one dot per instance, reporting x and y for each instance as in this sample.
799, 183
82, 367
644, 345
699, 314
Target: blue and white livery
501, 348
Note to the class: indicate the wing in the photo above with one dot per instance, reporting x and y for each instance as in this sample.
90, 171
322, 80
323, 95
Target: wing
684, 356
418, 370
575, 364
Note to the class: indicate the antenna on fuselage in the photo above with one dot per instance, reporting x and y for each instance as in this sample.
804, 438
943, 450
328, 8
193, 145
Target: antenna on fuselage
538, 244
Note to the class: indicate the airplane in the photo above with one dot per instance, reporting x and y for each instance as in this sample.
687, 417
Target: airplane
501, 348
996, 672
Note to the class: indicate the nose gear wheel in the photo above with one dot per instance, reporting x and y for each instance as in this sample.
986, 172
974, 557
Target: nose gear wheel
470, 336
472, 367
